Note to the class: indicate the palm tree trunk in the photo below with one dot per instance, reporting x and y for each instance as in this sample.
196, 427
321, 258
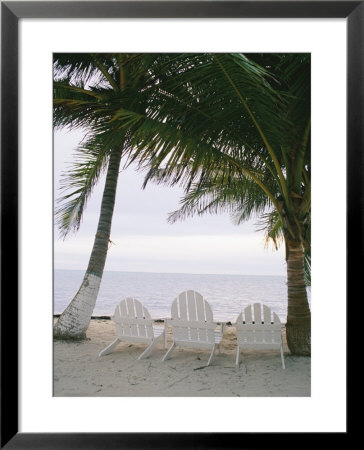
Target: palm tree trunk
298, 327
75, 319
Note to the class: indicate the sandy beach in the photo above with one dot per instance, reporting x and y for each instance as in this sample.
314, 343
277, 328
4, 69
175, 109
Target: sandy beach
79, 372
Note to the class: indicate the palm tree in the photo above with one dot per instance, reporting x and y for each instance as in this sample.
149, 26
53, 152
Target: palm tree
243, 200
207, 118
225, 120
89, 90
110, 96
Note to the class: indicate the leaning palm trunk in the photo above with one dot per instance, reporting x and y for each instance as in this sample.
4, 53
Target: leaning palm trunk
75, 319
298, 327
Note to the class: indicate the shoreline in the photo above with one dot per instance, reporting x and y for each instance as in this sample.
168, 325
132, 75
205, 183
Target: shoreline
227, 323
56, 316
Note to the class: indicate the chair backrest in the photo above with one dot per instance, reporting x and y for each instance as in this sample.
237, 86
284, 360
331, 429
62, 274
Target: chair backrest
258, 325
132, 319
192, 318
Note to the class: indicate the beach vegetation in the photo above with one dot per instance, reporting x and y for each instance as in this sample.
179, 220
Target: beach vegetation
232, 129
87, 90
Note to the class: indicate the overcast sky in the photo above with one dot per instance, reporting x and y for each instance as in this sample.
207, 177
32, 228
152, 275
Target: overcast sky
145, 242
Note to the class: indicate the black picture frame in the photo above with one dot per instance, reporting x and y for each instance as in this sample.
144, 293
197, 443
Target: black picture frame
11, 12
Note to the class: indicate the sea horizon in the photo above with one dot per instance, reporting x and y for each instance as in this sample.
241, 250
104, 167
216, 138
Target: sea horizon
227, 294
178, 273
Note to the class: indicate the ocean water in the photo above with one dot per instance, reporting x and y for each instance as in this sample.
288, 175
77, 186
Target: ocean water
226, 294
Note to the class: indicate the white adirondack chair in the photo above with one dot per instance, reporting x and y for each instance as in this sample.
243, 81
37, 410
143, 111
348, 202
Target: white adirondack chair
258, 329
134, 324
192, 324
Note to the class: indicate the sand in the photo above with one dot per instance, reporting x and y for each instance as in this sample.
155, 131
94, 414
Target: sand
79, 372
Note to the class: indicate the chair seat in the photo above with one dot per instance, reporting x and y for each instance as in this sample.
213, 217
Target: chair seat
133, 324
258, 328
192, 324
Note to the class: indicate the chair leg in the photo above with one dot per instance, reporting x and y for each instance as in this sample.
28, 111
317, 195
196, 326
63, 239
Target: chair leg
282, 357
109, 348
151, 346
167, 355
165, 334
212, 354
147, 350
237, 361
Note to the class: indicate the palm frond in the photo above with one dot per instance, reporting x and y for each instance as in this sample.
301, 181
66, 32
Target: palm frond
271, 224
235, 195
91, 160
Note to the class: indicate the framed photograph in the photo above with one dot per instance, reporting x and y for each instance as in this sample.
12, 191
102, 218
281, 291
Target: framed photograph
71, 393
